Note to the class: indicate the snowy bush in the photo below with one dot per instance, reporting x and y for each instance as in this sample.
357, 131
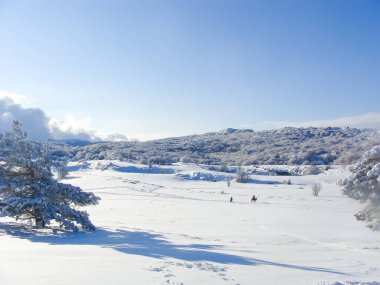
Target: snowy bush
105, 166
224, 168
306, 170
364, 185
28, 190
276, 171
296, 171
316, 188
241, 176
202, 176
312, 170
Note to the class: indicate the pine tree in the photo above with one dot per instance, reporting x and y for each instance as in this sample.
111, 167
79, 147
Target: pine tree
28, 190
61, 168
364, 185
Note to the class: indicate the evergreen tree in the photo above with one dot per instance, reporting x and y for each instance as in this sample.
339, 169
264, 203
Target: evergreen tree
364, 185
61, 168
28, 190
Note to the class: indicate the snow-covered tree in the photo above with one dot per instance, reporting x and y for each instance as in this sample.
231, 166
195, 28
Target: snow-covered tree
241, 175
316, 188
28, 190
364, 185
60, 167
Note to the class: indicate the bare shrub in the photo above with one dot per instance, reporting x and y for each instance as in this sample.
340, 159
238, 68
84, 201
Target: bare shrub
316, 188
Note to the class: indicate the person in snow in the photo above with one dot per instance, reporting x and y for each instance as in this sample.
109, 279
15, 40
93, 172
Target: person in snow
231, 200
253, 199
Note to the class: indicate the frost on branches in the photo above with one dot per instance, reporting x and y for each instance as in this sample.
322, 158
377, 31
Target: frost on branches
28, 190
364, 185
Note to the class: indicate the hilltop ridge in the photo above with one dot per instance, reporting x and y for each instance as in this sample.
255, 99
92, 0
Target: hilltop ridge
288, 145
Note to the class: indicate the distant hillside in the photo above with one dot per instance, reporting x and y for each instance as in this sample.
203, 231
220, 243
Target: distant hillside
232, 146
71, 142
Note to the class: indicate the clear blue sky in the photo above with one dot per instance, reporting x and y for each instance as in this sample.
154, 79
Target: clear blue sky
159, 68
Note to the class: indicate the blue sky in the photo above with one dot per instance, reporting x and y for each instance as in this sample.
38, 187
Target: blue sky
152, 69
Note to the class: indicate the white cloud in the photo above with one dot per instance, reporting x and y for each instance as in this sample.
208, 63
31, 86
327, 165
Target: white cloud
370, 120
72, 128
41, 127
34, 120
80, 128
12, 97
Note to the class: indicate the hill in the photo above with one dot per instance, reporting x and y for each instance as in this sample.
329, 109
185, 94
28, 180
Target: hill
294, 146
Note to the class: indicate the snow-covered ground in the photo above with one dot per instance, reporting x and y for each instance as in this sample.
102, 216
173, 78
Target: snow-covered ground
170, 225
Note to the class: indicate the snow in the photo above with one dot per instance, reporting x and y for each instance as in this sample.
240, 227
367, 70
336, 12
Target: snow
373, 153
160, 228
375, 171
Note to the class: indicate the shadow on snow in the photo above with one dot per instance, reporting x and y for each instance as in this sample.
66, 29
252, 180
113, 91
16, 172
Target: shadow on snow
144, 170
145, 244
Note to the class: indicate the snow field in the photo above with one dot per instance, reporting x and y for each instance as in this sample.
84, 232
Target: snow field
164, 229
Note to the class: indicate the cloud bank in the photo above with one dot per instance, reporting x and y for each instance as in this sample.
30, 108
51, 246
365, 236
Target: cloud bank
75, 128
370, 121
33, 119
41, 127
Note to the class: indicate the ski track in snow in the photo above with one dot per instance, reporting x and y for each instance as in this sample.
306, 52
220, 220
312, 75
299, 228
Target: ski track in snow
321, 243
